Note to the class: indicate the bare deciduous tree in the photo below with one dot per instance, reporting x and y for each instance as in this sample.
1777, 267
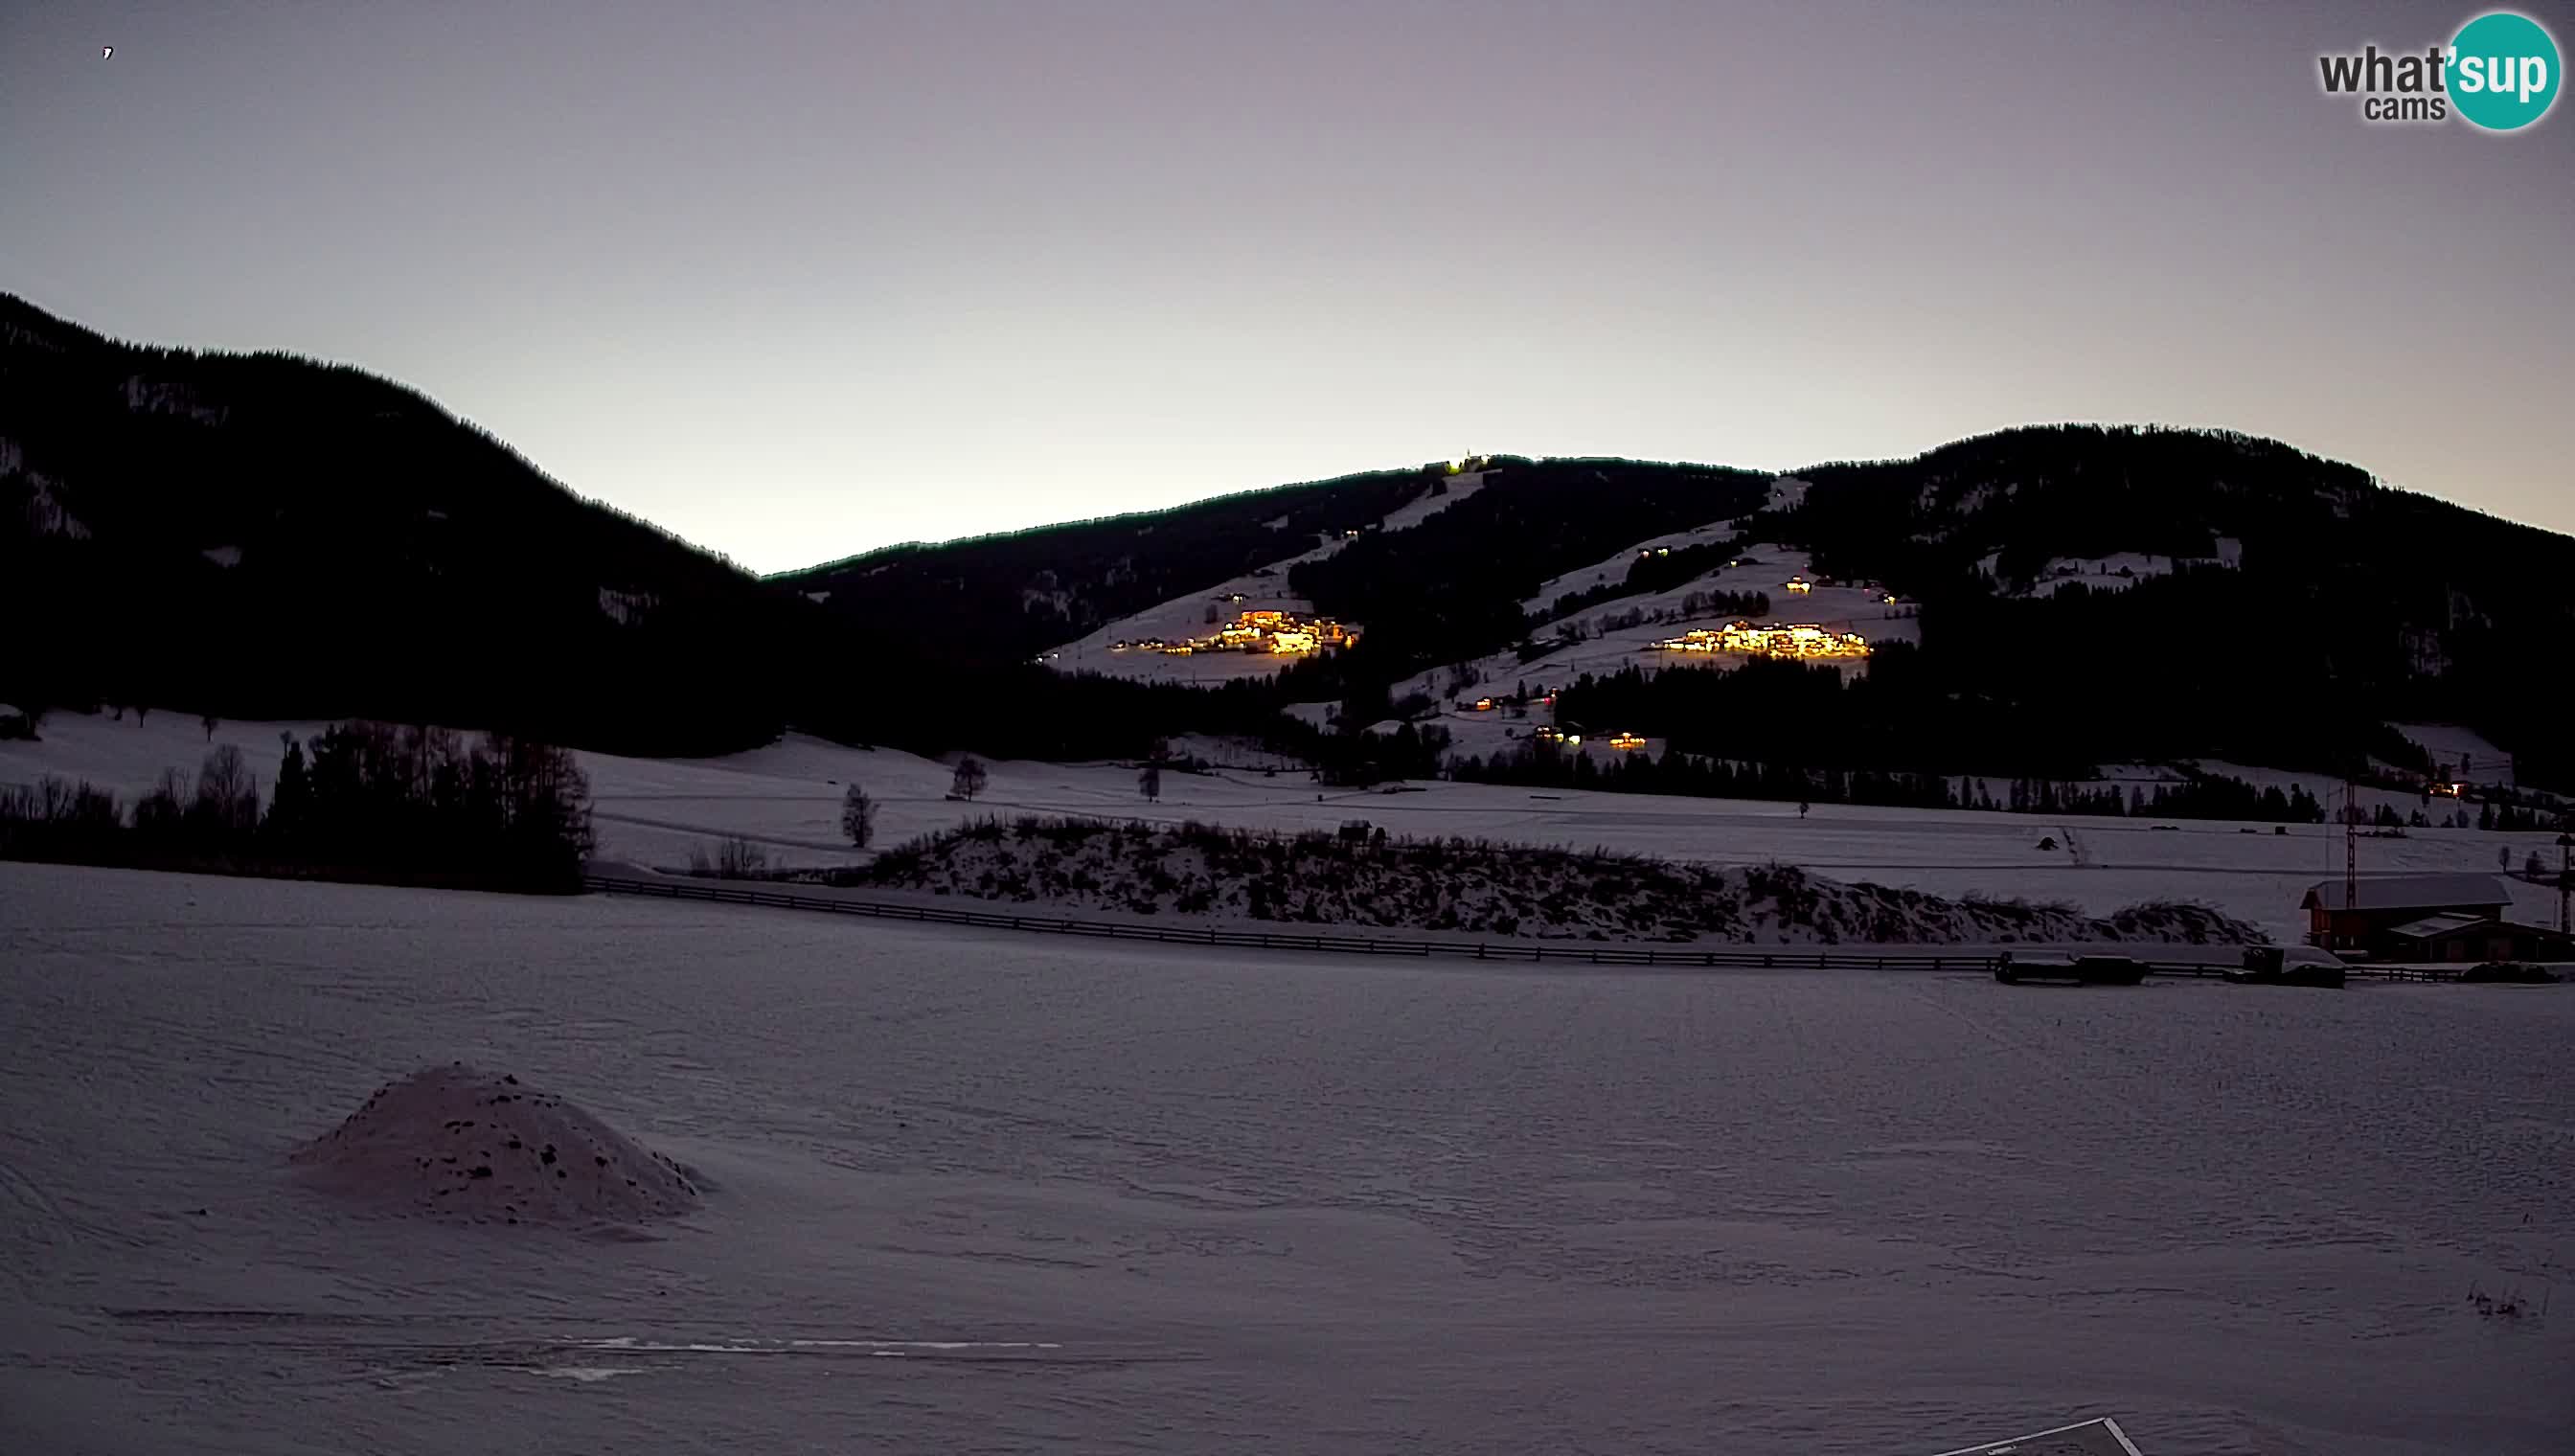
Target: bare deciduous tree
227, 800
858, 816
733, 858
970, 779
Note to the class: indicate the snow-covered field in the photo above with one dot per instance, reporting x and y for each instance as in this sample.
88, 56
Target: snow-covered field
2466, 755
1018, 1193
786, 797
1613, 568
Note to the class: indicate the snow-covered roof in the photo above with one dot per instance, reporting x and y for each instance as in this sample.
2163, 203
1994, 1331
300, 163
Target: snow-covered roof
2408, 891
2432, 925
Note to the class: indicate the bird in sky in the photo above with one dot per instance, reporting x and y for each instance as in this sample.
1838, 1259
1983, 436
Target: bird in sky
106, 52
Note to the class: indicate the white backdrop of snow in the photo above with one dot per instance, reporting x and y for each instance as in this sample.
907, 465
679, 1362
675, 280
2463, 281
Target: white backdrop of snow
986, 1190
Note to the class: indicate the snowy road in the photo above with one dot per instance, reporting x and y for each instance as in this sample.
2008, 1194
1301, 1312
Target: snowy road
994, 1193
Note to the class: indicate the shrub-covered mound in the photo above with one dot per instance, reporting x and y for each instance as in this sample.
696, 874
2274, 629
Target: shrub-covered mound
1479, 886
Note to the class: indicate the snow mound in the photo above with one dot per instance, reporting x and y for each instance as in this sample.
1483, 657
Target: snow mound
462, 1143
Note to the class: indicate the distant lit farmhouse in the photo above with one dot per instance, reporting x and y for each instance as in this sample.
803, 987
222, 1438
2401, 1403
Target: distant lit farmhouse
1263, 631
1802, 640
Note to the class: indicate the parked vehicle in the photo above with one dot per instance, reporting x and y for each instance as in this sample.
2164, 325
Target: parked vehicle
2090, 970
2509, 972
2265, 965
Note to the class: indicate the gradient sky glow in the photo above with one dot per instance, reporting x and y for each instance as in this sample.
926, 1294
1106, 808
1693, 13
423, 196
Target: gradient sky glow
798, 279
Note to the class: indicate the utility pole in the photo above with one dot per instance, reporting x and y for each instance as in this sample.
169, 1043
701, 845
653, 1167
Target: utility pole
2565, 880
2350, 842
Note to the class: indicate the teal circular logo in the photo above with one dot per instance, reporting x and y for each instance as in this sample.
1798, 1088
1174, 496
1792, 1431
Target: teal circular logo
2503, 71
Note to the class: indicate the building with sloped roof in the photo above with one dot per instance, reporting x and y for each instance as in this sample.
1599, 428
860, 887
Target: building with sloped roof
2460, 937
2355, 918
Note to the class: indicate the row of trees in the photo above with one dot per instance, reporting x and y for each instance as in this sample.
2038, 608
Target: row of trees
365, 800
2204, 797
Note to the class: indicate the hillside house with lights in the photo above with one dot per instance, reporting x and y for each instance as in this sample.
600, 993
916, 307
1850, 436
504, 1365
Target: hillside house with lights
1799, 639
1263, 629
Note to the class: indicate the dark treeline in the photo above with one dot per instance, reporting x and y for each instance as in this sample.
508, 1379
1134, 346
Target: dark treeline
2203, 796
2355, 603
1006, 598
1979, 696
1028, 711
369, 801
1650, 571
2510, 817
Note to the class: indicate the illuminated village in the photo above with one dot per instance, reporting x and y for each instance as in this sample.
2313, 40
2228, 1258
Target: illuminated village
1263, 631
1802, 639
1624, 742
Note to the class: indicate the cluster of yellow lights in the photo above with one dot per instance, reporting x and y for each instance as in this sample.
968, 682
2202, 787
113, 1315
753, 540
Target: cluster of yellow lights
1265, 630
1802, 640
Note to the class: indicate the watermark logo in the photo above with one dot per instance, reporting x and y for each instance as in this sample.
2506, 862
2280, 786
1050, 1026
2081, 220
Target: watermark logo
2503, 71
2499, 73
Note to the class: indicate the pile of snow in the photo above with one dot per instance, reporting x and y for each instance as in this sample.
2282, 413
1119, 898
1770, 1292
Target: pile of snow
1355, 877
458, 1142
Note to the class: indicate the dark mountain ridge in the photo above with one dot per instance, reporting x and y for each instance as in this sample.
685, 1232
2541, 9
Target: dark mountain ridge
266, 536
1011, 595
262, 535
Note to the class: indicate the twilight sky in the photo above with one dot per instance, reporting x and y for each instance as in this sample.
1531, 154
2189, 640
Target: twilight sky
795, 279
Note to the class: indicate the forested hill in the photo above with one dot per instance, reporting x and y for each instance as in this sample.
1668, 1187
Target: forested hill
267, 535
2280, 602
1007, 597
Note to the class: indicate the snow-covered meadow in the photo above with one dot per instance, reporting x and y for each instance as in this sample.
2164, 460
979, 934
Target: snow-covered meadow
787, 797
996, 1193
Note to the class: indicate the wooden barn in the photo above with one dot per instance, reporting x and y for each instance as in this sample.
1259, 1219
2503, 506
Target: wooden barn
2355, 919
2472, 940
